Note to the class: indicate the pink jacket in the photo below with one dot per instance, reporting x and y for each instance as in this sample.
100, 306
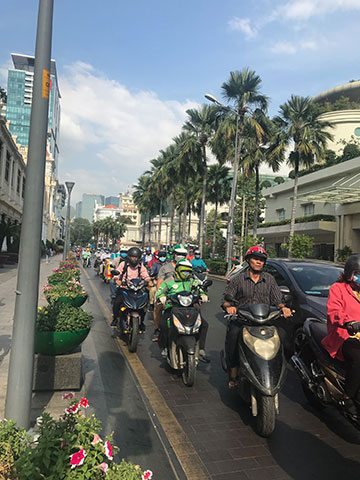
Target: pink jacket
132, 272
342, 307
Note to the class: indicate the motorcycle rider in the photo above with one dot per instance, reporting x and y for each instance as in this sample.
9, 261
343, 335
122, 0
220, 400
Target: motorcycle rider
248, 287
197, 261
129, 269
115, 265
183, 275
166, 272
343, 307
154, 259
191, 255
154, 271
147, 257
86, 257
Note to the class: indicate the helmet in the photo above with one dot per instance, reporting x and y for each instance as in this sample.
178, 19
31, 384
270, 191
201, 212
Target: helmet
148, 250
256, 252
197, 253
134, 252
180, 251
352, 265
183, 269
156, 254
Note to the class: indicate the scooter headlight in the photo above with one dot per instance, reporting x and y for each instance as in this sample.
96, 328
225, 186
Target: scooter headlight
197, 325
179, 325
185, 301
266, 349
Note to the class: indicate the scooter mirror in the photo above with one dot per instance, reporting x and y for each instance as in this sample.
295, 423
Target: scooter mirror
115, 272
285, 290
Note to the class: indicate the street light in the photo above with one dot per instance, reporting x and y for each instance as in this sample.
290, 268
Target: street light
69, 187
230, 226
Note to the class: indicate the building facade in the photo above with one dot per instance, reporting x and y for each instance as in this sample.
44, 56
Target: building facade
89, 201
113, 200
12, 179
78, 209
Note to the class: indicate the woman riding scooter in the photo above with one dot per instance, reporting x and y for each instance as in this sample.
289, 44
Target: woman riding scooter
343, 343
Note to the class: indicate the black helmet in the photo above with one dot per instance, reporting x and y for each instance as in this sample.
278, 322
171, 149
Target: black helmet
352, 265
134, 252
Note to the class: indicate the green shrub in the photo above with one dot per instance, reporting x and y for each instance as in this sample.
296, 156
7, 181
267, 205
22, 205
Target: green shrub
342, 254
300, 246
60, 317
13, 442
216, 266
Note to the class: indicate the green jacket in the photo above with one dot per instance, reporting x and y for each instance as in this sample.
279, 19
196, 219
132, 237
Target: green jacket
174, 286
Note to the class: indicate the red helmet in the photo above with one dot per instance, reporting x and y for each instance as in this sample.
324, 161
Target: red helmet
156, 254
256, 252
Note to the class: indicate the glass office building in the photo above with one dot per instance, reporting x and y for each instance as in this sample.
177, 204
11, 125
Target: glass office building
88, 205
19, 100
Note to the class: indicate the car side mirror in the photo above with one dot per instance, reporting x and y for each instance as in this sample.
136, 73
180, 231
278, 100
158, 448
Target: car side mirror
285, 290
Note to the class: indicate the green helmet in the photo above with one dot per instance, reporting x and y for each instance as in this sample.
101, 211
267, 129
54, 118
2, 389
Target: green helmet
183, 270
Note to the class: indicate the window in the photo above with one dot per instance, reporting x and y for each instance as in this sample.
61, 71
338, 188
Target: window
18, 181
281, 213
279, 278
7, 169
23, 188
357, 131
309, 209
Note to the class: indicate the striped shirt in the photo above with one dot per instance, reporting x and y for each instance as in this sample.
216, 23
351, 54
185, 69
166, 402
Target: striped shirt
244, 291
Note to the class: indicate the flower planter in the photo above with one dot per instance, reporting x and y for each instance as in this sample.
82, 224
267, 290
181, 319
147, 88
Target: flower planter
57, 343
73, 301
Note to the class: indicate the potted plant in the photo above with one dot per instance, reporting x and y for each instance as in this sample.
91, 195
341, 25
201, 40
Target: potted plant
60, 328
71, 292
63, 275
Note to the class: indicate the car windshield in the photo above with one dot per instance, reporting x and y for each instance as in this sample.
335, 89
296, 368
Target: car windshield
315, 279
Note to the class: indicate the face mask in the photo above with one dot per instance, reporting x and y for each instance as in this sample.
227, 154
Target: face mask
197, 256
356, 279
162, 259
124, 255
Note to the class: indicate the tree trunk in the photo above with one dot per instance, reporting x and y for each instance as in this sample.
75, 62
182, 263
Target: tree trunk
213, 246
203, 201
179, 233
143, 234
172, 212
189, 224
293, 208
149, 231
186, 201
257, 191
160, 221
242, 228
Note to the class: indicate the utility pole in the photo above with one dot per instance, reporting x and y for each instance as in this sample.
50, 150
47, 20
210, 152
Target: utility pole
20, 378
69, 187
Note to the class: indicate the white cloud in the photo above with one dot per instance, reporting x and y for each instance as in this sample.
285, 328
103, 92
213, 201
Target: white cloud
108, 133
304, 9
243, 25
290, 48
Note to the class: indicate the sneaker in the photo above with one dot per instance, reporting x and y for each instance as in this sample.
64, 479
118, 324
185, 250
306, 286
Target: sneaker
164, 352
203, 356
156, 334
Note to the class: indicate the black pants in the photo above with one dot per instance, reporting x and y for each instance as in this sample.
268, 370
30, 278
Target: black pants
351, 353
232, 339
164, 330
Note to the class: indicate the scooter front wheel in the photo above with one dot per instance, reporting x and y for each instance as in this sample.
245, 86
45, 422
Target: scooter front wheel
134, 334
266, 414
188, 372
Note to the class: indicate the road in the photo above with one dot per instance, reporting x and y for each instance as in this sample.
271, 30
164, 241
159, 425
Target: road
306, 444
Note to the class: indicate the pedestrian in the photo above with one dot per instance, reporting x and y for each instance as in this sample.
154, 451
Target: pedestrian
47, 254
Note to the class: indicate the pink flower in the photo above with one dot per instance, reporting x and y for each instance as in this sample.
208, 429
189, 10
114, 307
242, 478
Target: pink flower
68, 395
96, 439
84, 402
108, 450
73, 409
103, 466
78, 458
147, 475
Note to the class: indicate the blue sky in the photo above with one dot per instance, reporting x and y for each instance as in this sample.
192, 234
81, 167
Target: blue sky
129, 70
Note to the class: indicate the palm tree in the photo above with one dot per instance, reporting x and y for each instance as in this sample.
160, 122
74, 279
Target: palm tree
299, 125
242, 88
219, 185
142, 201
201, 123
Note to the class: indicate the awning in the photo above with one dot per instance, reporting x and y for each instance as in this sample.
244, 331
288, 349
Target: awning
344, 190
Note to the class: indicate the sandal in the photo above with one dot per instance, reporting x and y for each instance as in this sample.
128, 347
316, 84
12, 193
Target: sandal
233, 383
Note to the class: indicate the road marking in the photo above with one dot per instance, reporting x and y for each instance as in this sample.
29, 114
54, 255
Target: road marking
190, 461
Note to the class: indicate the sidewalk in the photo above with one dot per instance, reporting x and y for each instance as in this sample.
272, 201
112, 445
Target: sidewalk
114, 396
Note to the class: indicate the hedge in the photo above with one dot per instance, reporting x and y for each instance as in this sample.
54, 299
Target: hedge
309, 218
216, 266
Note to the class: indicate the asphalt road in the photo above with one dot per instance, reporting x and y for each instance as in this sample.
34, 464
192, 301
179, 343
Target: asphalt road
306, 444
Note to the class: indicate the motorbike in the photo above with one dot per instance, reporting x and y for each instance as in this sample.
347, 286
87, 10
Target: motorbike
322, 377
262, 369
183, 334
86, 262
201, 275
132, 311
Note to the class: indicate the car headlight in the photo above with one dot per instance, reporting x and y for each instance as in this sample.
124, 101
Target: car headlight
185, 301
179, 325
266, 349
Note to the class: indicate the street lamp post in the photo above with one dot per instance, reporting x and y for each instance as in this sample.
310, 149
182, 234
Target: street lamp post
230, 226
69, 187
20, 377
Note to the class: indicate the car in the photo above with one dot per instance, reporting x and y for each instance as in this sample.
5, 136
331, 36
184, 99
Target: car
308, 283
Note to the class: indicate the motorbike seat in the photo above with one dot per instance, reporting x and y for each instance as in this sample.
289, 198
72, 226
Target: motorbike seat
318, 332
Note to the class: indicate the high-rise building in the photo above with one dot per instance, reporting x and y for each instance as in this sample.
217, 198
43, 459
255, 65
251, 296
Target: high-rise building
19, 101
78, 209
114, 200
88, 205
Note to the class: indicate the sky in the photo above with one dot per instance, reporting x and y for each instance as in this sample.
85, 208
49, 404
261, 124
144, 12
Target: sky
128, 71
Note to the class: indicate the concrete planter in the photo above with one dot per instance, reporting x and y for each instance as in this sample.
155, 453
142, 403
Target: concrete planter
57, 343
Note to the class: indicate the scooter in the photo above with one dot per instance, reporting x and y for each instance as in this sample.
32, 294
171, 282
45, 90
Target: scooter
132, 311
200, 274
183, 334
262, 369
322, 377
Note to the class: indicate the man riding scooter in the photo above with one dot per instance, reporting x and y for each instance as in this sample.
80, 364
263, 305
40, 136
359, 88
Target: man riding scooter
154, 271
129, 269
253, 286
